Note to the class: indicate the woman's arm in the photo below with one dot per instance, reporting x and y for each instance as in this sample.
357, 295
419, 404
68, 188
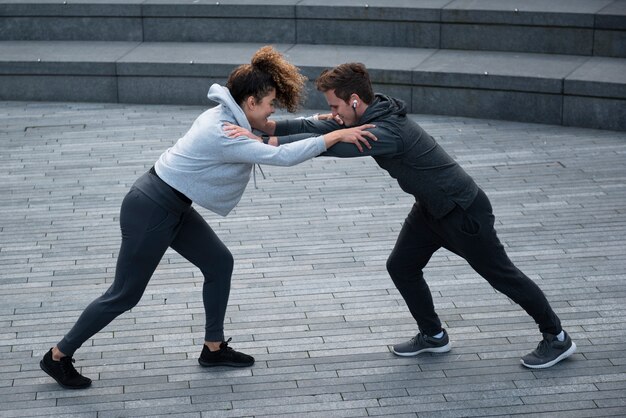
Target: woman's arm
356, 135
243, 149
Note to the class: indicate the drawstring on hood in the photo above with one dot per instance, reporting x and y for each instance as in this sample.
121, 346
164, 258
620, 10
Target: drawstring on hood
254, 174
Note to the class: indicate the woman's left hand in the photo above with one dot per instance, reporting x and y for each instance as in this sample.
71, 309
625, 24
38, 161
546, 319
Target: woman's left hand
356, 135
233, 131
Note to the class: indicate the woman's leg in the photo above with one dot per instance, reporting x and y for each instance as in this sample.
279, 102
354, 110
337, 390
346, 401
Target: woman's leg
197, 242
147, 230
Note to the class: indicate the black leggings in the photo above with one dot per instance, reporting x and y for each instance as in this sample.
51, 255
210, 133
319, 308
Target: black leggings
470, 234
152, 219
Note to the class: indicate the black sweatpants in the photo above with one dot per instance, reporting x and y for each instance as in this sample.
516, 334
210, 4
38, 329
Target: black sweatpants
470, 234
152, 218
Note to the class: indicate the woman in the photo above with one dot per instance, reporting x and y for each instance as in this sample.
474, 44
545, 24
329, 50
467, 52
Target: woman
207, 167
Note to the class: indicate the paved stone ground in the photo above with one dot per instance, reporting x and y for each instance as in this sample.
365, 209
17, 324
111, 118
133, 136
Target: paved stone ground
311, 298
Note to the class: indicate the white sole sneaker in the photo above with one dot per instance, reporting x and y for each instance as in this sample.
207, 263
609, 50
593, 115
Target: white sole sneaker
442, 349
563, 356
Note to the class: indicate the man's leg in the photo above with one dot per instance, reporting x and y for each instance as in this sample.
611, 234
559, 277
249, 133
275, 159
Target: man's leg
197, 242
470, 234
415, 246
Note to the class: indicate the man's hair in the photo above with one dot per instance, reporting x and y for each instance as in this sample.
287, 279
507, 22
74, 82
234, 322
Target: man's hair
347, 79
268, 71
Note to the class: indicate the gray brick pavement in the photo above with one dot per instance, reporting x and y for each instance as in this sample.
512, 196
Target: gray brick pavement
311, 299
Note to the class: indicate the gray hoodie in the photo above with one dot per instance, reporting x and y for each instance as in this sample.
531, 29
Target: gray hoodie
212, 169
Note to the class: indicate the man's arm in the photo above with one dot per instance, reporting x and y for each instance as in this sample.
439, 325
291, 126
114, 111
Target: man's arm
291, 130
301, 125
386, 144
305, 125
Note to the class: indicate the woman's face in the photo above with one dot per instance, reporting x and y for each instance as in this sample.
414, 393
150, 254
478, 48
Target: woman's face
258, 112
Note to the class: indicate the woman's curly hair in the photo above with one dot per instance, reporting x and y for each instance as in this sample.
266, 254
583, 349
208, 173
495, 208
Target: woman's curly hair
268, 70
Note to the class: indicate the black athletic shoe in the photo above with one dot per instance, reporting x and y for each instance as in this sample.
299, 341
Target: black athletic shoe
549, 352
226, 356
422, 344
63, 372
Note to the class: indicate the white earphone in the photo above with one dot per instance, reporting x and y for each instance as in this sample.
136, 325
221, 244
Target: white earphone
354, 104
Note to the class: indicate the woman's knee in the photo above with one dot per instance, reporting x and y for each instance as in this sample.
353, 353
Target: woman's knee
227, 260
119, 302
220, 263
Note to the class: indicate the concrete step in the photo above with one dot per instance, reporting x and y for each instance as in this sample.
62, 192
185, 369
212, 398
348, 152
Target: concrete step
545, 88
573, 27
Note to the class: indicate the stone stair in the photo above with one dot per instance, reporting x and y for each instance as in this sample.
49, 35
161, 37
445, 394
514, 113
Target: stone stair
556, 62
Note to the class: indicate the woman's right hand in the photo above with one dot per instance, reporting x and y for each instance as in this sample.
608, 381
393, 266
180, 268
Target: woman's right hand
357, 135
233, 131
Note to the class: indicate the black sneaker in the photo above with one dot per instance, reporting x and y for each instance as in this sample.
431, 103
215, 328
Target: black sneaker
549, 352
422, 344
63, 372
226, 356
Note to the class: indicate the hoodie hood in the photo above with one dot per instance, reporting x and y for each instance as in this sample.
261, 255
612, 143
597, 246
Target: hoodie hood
381, 107
221, 95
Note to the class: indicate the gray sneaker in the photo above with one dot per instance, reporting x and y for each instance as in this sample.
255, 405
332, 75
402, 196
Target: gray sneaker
549, 352
422, 344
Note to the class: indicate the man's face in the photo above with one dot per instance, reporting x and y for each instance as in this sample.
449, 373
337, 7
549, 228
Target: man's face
341, 108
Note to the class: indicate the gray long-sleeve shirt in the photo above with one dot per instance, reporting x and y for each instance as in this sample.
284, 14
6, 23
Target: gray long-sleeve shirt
410, 155
212, 169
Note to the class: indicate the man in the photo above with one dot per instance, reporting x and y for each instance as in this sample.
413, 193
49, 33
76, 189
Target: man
450, 211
